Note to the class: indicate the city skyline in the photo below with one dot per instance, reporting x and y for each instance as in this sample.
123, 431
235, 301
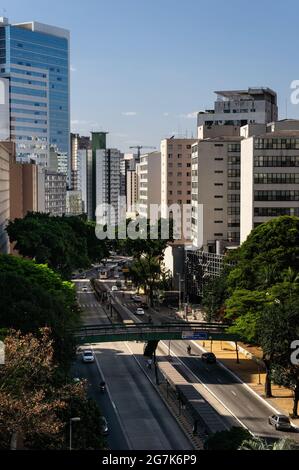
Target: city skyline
158, 67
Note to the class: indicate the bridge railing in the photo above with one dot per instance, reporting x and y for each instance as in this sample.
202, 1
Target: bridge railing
93, 330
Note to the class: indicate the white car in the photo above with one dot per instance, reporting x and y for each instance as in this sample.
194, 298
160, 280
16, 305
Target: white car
139, 311
88, 356
114, 288
84, 289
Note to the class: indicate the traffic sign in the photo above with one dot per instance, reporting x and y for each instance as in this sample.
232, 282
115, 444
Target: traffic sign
199, 335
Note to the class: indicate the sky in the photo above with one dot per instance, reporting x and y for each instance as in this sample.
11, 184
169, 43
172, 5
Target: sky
141, 69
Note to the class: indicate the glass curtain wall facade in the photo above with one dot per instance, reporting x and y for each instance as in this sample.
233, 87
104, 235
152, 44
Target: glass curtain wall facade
35, 58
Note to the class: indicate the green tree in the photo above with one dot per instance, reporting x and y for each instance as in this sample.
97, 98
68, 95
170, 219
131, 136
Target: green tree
227, 440
278, 326
33, 296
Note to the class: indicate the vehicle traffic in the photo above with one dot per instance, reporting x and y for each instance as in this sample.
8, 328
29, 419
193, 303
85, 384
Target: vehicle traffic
280, 422
139, 311
208, 357
87, 356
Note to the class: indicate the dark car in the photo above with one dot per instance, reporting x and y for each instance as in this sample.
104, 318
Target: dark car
208, 357
144, 305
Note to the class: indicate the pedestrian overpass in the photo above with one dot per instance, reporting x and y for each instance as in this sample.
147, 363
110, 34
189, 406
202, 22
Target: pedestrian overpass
153, 332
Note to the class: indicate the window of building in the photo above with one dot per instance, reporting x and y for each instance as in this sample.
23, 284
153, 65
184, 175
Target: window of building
233, 197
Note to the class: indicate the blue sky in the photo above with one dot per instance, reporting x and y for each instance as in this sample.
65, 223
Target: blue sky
142, 68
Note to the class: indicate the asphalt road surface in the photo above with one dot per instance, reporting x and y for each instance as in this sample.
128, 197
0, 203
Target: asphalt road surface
136, 415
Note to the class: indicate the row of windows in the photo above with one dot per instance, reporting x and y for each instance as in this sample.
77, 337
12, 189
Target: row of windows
28, 103
234, 147
27, 72
38, 49
34, 121
233, 185
233, 197
233, 210
28, 91
278, 143
276, 195
28, 129
42, 65
233, 173
38, 60
29, 111
28, 82
275, 211
233, 160
276, 161
276, 178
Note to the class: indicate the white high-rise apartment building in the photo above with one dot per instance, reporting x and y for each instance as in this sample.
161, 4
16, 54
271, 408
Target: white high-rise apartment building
108, 183
149, 191
269, 173
216, 191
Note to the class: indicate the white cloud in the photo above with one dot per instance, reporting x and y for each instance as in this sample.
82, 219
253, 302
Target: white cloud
192, 115
129, 113
165, 114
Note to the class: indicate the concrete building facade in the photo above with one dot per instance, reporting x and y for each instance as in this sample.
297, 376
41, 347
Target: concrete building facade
176, 182
241, 107
216, 193
149, 184
269, 174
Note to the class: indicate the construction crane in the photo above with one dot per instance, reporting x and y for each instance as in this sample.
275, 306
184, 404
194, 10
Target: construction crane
139, 147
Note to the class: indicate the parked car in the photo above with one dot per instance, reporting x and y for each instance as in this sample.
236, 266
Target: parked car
280, 422
139, 311
88, 356
144, 305
104, 425
84, 289
208, 357
114, 288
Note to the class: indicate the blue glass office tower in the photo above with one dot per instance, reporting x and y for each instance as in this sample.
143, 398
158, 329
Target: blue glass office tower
35, 59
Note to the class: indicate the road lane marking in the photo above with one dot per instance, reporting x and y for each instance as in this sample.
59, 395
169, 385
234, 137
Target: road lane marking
209, 390
234, 393
130, 446
239, 380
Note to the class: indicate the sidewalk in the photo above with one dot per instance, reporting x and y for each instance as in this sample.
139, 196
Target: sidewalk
250, 369
251, 372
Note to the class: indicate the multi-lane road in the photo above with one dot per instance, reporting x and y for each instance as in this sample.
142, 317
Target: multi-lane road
138, 416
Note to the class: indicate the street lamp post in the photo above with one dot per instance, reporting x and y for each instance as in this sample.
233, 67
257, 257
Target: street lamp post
72, 420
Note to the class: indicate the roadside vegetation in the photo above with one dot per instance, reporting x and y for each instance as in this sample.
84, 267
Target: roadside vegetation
258, 295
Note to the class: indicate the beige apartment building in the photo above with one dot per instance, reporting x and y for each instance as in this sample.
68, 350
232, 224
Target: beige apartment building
216, 190
149, 187
176, 182
269, 173
131, 191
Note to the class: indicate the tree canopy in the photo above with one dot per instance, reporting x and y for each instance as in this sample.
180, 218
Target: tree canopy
33, 296
63, 243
